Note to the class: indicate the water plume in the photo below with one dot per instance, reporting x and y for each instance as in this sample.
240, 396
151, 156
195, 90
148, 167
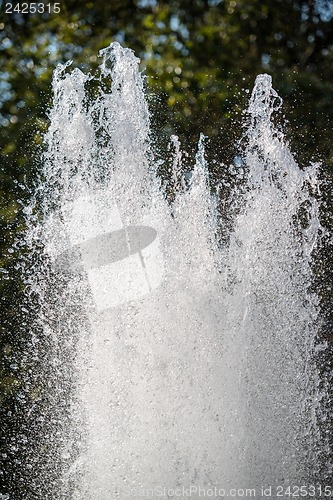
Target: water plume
173, 358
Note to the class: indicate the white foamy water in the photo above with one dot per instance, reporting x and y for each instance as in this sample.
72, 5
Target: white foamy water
176, 360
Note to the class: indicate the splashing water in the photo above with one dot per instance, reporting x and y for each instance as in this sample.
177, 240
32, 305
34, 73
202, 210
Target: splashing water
170, 359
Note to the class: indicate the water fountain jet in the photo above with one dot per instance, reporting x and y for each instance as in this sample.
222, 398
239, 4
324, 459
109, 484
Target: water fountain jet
207, 379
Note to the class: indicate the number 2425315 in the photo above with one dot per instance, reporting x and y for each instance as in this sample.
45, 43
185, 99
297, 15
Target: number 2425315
32, 8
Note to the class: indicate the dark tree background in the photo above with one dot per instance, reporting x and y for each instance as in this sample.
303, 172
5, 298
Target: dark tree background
201, 59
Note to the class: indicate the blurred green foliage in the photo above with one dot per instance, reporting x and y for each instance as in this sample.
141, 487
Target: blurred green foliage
200, 57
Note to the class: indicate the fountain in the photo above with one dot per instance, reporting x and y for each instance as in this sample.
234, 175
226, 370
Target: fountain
172, 361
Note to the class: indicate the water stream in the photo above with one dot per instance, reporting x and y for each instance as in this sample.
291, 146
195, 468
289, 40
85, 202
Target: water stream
174, 359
